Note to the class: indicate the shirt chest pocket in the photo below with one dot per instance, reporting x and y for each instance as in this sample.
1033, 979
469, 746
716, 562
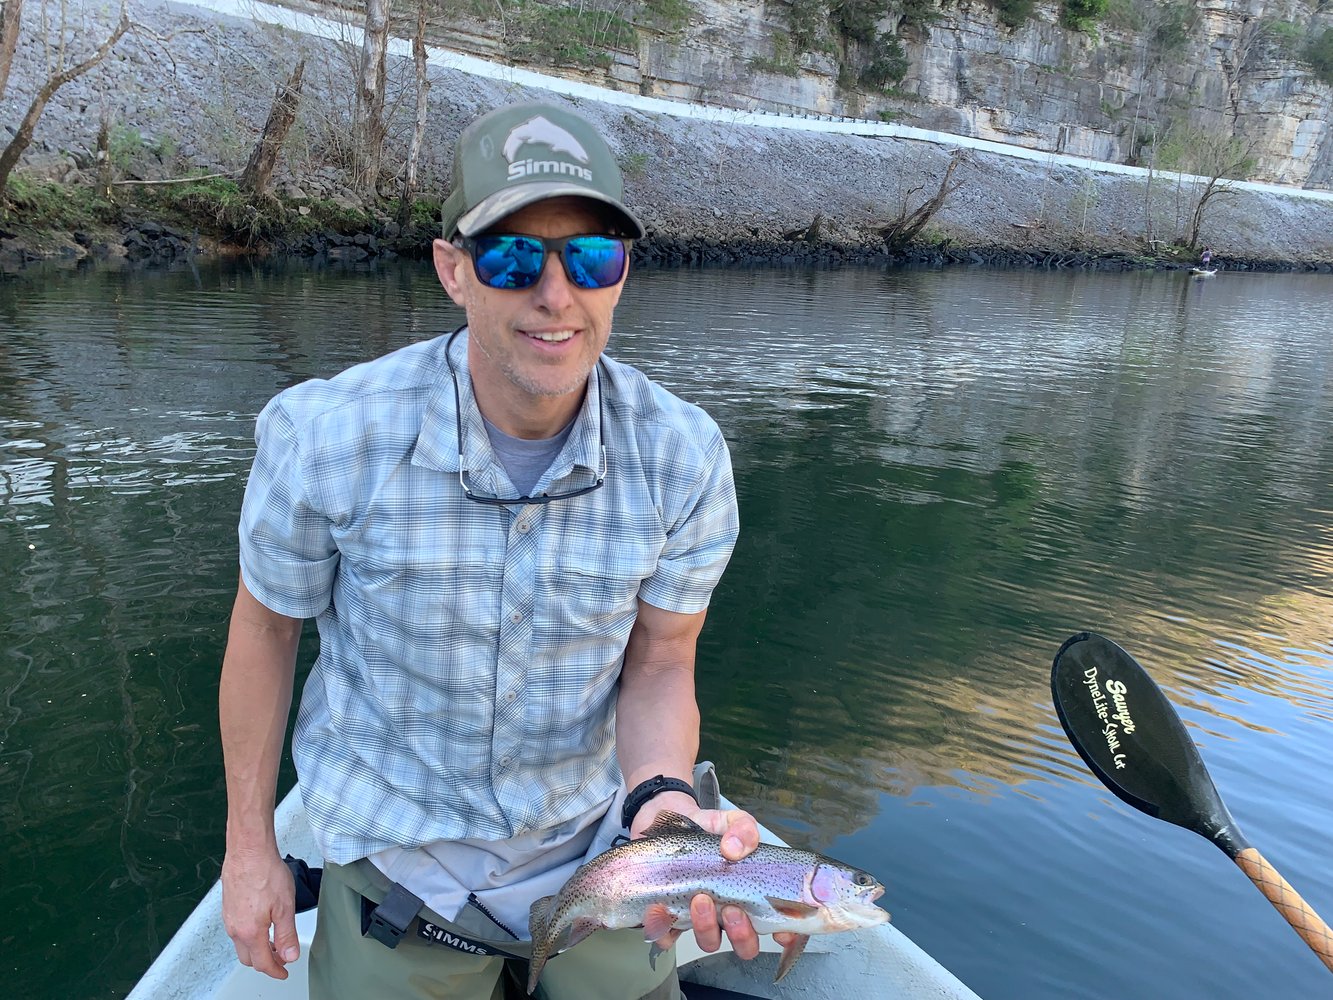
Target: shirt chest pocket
588, 594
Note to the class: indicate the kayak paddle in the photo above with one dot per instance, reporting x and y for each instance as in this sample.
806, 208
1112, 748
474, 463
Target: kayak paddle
1126, 731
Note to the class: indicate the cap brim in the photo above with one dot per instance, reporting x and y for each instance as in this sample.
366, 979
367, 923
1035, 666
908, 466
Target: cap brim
504, 203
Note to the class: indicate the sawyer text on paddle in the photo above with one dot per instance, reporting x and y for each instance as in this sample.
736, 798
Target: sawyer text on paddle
1113, 722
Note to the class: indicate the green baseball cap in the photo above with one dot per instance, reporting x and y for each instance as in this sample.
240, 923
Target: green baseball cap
524, 153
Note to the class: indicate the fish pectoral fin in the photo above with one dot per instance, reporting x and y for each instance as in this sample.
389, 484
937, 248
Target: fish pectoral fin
790, 954
579, 930
658, 921
793, 908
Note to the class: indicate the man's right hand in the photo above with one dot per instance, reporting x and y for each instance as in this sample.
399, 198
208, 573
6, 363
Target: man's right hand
259, 894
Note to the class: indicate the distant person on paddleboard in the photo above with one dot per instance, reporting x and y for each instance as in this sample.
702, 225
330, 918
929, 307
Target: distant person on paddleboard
509, 542
1206, 260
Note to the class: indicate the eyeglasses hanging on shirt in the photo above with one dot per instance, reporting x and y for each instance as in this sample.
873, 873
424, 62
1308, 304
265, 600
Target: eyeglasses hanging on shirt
541, 498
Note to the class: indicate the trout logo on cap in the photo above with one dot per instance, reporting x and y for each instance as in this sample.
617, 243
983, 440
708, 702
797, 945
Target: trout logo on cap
539, 131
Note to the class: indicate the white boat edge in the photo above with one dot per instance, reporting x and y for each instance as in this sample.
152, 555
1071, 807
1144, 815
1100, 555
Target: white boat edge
199, 962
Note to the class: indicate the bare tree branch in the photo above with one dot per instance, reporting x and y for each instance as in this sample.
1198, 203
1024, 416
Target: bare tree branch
23, 136
907, 227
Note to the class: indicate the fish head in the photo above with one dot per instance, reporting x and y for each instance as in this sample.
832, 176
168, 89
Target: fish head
846, 895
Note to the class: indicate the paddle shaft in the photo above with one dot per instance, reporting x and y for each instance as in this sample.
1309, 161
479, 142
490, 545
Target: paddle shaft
1288, 902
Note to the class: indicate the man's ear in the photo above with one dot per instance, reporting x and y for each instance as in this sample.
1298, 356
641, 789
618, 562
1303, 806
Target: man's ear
449, 262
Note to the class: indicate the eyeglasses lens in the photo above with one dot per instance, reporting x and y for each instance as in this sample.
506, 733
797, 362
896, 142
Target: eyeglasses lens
516, 261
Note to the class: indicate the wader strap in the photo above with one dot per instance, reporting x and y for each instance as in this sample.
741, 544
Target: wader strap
389, 921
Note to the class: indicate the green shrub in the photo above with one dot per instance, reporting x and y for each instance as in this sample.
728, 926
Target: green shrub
1319, 54
888, 64
565, 36
1174, 27
1013, 12
919, 12
1080, 15
858, 20
672, 15
807, 20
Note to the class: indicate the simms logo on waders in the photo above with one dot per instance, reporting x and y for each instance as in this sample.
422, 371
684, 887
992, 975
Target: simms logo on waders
539, 130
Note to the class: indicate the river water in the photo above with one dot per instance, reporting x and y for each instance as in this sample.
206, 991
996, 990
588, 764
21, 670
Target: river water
942, 474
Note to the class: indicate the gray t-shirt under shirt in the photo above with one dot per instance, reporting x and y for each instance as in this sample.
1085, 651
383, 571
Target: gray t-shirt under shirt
525, 460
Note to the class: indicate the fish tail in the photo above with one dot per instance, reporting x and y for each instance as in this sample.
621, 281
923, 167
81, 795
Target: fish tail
539, 928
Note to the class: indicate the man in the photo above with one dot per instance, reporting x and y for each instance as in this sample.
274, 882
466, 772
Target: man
509, 542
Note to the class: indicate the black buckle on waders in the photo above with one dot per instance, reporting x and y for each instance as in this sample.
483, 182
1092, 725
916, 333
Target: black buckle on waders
389, 921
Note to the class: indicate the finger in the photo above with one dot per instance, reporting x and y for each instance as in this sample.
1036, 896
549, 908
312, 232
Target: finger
740, 836
738, 829
257, 953
703, 917
286, 945
740, 932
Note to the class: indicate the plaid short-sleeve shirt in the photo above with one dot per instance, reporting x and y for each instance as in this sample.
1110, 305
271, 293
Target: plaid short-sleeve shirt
469, 654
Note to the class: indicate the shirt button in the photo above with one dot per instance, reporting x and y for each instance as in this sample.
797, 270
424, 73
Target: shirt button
517, 616
523, 527
510, 696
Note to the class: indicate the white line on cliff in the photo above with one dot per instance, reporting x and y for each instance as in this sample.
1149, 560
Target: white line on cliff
322, 27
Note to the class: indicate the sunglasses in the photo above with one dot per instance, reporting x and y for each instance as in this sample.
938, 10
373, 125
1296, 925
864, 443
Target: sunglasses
513, 261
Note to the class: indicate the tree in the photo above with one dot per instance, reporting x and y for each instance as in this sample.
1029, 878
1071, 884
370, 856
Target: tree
370, 127
1221, 159
259, 169
1213, 157
10, 14
23, 136
419, 129
908, 225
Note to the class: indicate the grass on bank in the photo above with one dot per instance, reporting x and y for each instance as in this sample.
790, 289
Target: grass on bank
214, 207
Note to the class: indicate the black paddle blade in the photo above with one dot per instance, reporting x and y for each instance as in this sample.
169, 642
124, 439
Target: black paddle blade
1131, 737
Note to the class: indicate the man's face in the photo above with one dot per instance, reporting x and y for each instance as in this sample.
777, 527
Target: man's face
537, 343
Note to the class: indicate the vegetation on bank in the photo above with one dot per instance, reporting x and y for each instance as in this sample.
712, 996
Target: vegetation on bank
216, 210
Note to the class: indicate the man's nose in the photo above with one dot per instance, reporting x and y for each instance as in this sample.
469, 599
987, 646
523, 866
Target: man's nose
554, 289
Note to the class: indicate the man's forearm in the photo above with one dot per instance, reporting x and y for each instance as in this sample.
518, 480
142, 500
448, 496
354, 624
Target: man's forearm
657, 725
254, 699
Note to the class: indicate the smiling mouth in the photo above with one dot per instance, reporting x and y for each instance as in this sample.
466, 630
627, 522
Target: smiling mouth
552, 336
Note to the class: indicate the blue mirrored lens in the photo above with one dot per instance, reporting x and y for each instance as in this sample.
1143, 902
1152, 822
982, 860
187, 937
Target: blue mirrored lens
516, 261
594, 261
509, 261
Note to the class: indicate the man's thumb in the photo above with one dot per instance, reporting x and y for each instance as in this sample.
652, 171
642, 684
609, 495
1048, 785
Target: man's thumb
285, 941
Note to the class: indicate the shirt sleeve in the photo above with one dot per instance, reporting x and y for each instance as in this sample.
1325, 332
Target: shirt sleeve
288, 554
700, 536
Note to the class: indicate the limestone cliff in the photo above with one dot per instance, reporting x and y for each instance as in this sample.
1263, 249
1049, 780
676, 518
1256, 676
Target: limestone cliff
1223, 68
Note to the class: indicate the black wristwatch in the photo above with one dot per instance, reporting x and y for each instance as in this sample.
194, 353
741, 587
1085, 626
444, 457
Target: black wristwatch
645, 790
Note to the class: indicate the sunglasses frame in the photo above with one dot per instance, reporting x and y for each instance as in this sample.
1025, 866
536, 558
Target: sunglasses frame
551, 246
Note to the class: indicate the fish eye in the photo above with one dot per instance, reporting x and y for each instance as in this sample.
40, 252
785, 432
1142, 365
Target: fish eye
863, 878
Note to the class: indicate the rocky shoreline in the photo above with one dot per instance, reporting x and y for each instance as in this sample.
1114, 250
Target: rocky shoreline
148, 243
710, 193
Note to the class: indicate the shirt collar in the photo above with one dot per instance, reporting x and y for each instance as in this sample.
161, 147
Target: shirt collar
437, 443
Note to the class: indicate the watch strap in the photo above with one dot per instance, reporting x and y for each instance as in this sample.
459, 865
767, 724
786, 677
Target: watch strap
645, 790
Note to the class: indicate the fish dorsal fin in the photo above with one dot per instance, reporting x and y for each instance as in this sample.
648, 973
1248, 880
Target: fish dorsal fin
667, 822
792, 907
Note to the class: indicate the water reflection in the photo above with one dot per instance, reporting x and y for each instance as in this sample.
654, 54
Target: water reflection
942, 474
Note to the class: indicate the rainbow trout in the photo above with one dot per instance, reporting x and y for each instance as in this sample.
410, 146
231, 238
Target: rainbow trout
649, 882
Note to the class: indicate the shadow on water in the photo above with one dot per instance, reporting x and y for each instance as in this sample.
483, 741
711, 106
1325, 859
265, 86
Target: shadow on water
941, 475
